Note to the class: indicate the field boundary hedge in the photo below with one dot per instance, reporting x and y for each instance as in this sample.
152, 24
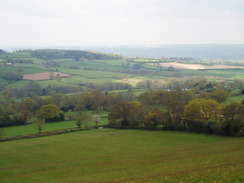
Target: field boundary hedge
44, 134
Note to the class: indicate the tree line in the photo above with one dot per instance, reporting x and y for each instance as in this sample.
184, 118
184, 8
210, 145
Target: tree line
181, 110
177, 109
196, 84
54, 107
11, 76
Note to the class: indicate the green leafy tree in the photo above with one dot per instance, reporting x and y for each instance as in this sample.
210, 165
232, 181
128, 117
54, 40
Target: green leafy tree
202, 110
87, 100
150, 119
176, 112
136, 116
82, 118
79, 121
2, 115
219, 95
26, 104
120, 113
38, 122
158, 117
33, 88
138, 66
93, 100
12, 76
24, 115
48, 112
7, 94
57, 98
202, 115
242, 91
234, 119
233, 111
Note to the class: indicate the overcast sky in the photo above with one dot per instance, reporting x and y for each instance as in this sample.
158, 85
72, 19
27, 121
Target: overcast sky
120, 22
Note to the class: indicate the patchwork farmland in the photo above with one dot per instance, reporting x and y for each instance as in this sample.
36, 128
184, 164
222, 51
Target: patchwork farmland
94, 117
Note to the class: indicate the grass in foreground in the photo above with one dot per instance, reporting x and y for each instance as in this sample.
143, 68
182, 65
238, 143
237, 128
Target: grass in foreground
126, 156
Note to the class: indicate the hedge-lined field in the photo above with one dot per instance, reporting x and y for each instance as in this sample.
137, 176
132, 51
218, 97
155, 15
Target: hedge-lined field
96, 65
126, 156
94, 73
75, 80
32, 128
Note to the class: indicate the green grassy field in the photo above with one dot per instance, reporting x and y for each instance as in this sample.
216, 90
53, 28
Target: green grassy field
31, 66
22, 56
146, 60
75, 80
2, 80
24, 70
113, 62
64, 60
46, 83
13, 55
219, 74
95, 156
94, 73
32, 128
237, 98
227, 74
96, 65
19, 84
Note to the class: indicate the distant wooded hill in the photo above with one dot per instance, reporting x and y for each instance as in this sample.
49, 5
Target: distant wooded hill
47, 54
